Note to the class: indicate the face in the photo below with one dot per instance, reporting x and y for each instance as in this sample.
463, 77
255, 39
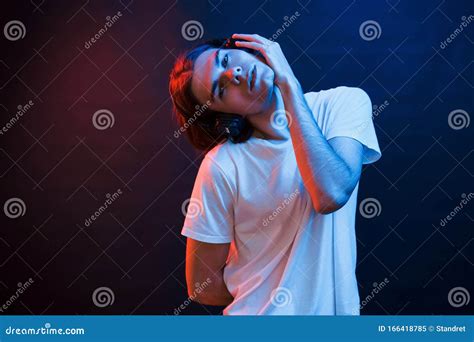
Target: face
234, 80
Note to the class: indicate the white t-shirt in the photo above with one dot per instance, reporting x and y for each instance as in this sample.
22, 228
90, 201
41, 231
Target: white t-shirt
284, 257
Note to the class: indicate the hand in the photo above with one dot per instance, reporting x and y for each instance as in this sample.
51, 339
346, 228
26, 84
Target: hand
272, 53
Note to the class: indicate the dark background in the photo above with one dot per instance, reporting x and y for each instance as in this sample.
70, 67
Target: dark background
62, 167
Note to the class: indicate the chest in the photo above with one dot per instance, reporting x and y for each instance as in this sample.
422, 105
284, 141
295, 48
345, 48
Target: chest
270, 190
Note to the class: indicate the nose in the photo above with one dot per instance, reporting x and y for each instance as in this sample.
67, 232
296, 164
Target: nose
234, 75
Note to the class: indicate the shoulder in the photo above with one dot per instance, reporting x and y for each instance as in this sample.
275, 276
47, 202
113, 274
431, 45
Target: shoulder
219, 154
337, 94
221, 160
340, 103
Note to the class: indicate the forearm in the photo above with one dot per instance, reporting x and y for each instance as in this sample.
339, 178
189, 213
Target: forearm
324, 173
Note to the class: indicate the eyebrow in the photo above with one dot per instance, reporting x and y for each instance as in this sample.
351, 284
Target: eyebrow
214, 83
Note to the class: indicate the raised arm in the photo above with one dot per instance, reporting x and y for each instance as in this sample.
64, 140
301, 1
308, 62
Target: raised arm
330, 169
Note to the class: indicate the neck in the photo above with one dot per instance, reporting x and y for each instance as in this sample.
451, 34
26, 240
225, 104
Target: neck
268, 125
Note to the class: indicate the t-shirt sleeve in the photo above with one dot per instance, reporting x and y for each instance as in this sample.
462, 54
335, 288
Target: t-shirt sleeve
210, 215
348, 112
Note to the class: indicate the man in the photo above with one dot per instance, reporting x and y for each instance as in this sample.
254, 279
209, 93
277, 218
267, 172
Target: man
270, 223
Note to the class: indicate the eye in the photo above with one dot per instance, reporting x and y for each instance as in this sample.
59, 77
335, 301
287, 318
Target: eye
225, 61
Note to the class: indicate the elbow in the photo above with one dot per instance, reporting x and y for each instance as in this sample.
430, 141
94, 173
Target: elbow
212, 292
198, 298
205, 300
332, 198
331, 202
210, 299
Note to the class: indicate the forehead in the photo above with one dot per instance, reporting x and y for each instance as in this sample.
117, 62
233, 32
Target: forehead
201, 82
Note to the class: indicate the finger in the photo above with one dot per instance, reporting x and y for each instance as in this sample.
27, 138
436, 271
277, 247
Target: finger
262, 40
250, 37
250, 45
